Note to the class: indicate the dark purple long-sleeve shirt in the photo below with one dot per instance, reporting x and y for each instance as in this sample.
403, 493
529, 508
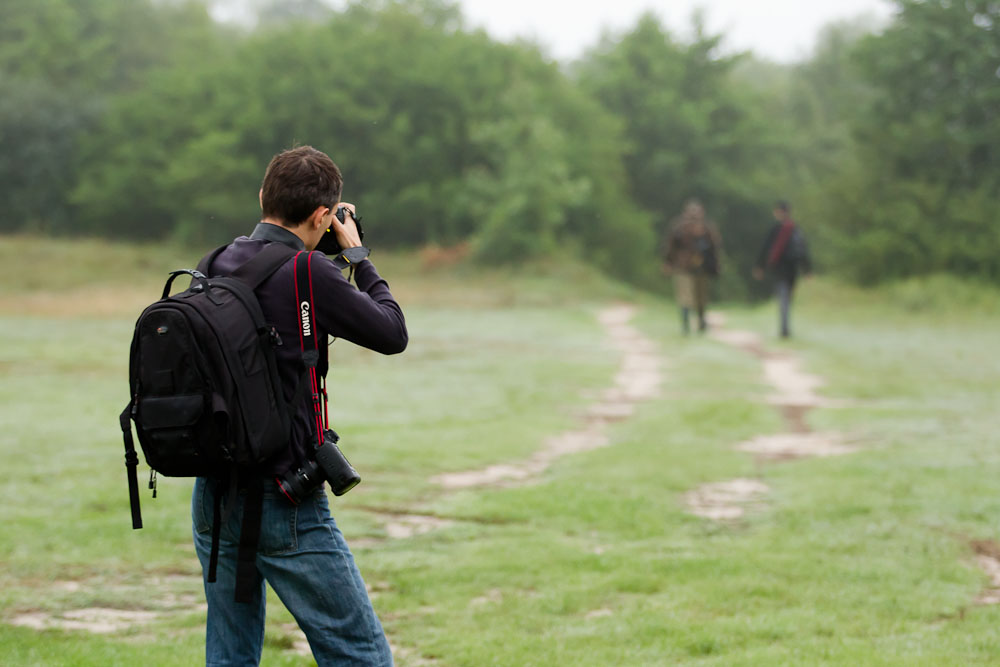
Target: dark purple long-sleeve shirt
366, 315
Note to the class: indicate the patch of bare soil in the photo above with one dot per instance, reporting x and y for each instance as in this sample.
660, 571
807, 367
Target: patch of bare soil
492, 596
404, 655
404, 526
98, 620
745, 340
786, 446
795, 417
725, 501
638, 379
988, 558
160, 596
296, 639
792, 385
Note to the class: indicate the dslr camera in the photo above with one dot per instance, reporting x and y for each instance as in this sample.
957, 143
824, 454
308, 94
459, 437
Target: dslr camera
328, 244
329, 465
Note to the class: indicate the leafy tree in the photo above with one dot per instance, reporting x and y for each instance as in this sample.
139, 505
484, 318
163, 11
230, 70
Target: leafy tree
920, 195
61, 63
38, 128
443, 135
691, 132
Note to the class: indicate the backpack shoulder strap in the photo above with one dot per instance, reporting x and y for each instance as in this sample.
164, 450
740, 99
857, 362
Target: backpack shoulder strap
205, 265
262, 266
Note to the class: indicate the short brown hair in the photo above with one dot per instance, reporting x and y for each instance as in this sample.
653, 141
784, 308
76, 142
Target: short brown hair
297, 182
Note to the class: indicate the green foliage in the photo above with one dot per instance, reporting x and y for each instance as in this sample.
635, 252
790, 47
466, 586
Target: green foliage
62, 65
923, 185
443, 136
149, 120
39, 124
692, 132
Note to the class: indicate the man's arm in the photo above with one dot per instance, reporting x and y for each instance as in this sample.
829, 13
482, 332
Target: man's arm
765, 249
366, 315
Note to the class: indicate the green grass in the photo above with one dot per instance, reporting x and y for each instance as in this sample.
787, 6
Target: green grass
859, 559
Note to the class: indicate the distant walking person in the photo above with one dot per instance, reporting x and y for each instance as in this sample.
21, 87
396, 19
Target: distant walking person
783, 254
691, 255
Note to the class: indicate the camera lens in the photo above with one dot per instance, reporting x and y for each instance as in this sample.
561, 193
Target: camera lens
297, 485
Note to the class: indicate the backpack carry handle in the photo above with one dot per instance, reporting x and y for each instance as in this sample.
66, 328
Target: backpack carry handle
197, 275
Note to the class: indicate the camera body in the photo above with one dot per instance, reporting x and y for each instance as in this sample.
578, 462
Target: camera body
329, 465
328, 244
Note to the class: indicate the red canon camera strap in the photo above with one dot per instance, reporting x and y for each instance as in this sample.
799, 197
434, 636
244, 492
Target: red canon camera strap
308, 339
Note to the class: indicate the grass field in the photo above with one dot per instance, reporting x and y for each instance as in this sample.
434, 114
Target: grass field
868, 558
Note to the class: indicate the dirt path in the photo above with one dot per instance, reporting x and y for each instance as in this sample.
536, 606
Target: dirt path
638, 379
988, 559
725, 501
793, 392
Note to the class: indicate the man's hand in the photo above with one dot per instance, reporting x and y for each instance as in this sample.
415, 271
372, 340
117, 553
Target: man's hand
758, 273
346, 231
666, 269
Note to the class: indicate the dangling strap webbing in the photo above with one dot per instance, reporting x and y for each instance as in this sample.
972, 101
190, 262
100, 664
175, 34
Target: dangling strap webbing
213, 559
131, 462
246, 559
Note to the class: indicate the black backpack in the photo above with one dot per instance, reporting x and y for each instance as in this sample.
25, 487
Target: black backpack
796, 252
206, 397
205, 390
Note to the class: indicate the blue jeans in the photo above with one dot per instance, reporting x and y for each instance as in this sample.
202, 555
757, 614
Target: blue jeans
784, 290
303, 556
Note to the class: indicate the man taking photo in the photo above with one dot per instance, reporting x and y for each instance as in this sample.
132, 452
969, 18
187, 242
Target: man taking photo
300, 551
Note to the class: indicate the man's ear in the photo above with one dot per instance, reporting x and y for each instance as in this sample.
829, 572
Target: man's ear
315, 219
260, 198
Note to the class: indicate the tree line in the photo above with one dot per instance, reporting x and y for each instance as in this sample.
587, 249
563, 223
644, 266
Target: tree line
147, 119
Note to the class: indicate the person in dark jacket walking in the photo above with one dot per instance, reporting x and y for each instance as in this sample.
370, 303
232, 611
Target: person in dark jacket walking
784, 253
301, 552
691, 253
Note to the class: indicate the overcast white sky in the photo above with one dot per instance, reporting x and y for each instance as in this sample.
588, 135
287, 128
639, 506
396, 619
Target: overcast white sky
781, 30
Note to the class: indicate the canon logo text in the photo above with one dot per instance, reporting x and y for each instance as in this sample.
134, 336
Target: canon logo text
306, 326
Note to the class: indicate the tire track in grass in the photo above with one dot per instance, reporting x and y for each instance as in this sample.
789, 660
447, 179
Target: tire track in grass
793, 394
988, 559
179, 596
637, 380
